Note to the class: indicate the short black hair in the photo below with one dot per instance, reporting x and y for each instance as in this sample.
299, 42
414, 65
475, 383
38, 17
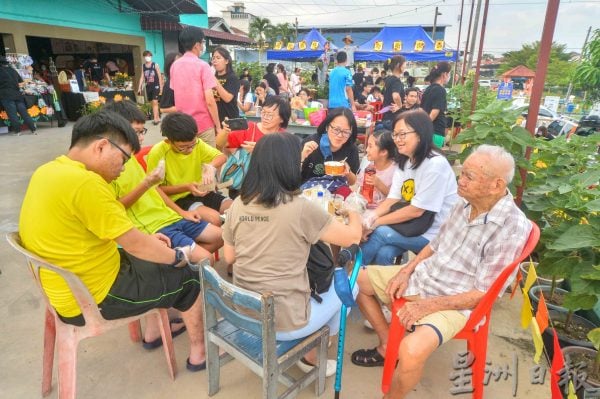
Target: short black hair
411, 89
274, 174
104, 124
283, 108
421, 123
169, 60
271, 67
189, 36
341, 56
178, 126
334, 113
127, 109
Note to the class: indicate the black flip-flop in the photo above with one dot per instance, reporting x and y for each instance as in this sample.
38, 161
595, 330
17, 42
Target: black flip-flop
368, 358
195, 367
157, 343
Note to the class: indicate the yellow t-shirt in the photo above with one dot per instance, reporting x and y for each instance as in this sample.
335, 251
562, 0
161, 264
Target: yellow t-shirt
181, 168
70, 217
149, 213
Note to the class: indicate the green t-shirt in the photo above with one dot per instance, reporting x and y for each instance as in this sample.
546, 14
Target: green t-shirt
181, 168
149, 213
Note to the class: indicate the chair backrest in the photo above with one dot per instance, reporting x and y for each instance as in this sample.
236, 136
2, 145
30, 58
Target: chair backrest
236, 304
84, 299
141, 156
484, 307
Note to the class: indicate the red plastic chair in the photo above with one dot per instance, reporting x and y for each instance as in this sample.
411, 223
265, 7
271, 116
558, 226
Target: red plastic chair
475, 331
141, 156
66, 337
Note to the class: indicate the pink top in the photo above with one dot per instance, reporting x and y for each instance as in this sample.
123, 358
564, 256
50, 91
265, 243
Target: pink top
283, 82
386, 176
190, 77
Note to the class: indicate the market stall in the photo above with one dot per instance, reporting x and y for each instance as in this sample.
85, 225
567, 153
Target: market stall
410, 41
309, 48
74, 103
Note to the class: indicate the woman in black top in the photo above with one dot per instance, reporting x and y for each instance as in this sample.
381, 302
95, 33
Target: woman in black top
434, 100
393, 94
167, 101
228, 85
334, 141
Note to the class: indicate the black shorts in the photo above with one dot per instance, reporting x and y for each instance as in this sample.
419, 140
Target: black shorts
212, 200
152, 91
141, 286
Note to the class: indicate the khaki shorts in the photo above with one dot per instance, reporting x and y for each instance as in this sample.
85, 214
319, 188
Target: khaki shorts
446, 323
208, 136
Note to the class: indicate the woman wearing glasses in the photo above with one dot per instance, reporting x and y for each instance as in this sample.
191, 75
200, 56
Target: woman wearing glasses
334, 141
424, 183
274, 118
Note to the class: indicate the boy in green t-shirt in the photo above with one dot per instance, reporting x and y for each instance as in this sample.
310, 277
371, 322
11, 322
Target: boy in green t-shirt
190, 163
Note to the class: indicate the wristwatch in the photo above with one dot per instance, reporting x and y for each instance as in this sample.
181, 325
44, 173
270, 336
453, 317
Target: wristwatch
180, 259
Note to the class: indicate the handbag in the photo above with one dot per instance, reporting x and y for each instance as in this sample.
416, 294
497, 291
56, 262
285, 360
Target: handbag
236, 166
414, 227
320, 269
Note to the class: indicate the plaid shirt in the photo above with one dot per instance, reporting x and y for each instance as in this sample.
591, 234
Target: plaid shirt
471, 255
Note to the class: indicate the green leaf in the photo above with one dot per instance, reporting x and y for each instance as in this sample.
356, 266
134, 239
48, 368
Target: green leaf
565, 188
578, 236
594, 337
579, 301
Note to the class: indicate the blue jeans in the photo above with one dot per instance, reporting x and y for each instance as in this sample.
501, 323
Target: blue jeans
13, 109
327, 312
385, 244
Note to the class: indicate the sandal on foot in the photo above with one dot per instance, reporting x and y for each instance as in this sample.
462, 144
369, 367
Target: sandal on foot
368, 358
157, 343
195, 367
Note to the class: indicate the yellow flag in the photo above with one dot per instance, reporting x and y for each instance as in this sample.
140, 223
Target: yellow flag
526, 314
572, 394
537, 340
531, 278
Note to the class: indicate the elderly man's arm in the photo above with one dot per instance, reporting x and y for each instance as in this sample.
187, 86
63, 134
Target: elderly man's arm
397, 285
416, 310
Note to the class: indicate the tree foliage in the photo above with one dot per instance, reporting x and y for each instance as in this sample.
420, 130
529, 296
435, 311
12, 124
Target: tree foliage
284, 32
260, 31
559, 71
587, 73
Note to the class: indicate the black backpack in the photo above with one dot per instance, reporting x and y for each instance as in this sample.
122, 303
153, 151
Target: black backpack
320, 269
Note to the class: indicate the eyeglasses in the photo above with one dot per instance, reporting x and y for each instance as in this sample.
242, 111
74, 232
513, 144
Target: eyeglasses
185, 148
401, 134
142, 131
267, 115
339, 131
126, 155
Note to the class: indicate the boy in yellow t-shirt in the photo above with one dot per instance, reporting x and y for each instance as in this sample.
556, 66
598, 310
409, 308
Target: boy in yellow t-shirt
189, 162
70, 217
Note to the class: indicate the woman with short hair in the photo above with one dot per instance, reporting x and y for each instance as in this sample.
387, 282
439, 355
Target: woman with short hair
153, 80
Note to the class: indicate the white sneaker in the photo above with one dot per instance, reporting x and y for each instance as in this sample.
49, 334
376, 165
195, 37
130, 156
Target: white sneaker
307, 367
387, 313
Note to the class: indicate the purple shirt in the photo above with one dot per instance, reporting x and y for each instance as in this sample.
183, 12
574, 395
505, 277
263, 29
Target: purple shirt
190, 77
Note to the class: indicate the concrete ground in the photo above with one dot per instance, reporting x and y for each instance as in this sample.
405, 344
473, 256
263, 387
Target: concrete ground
114, 367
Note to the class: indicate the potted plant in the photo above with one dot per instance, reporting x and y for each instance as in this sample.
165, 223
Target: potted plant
590, 357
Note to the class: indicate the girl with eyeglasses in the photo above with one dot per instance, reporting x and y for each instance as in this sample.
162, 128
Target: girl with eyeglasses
423, 182
334, 141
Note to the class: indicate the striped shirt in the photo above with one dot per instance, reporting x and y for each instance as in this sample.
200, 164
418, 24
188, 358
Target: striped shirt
471, 254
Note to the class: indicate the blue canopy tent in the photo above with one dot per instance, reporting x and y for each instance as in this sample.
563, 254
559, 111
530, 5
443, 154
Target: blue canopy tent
309, 48
410, 41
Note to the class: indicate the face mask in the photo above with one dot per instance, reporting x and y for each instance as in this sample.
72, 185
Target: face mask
201, 53
148, 59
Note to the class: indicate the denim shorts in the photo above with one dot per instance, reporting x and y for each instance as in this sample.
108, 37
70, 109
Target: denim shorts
183, 232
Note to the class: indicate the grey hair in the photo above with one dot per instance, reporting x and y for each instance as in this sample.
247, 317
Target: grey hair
503, 163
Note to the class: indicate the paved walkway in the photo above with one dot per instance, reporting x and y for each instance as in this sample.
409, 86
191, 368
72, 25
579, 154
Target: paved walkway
111, 366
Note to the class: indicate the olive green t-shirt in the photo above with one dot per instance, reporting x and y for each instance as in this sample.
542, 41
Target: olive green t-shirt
271, 250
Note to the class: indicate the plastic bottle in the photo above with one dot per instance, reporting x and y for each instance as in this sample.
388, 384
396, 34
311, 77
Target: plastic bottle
367, 189
321, 200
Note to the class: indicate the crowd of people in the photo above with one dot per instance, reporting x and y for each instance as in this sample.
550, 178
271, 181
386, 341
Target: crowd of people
130, 234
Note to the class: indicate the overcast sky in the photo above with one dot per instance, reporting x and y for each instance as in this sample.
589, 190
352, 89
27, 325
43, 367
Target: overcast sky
510, 22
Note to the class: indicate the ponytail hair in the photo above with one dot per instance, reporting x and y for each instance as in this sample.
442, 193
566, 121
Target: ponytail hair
395, 61
437, 71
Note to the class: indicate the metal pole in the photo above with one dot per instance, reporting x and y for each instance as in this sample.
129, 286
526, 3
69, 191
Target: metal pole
434, 24
582, 50
464, 65
479, 55
538, 82
474, 35
462, 5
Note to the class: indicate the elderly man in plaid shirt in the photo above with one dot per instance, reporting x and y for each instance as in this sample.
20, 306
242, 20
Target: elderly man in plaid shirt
483, 234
